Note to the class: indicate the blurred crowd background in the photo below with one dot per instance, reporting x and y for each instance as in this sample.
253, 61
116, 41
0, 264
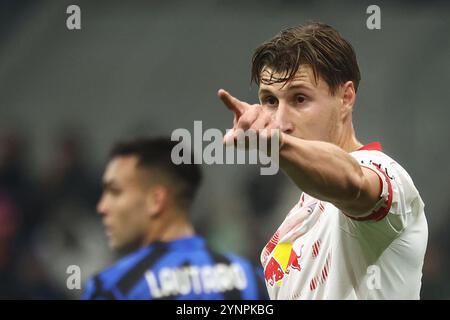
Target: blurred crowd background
149, 67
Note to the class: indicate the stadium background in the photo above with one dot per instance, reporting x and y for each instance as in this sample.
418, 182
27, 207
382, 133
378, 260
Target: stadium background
149, 67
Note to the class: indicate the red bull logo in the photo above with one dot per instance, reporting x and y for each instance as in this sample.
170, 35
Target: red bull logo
293, 262
273, 272
282, 261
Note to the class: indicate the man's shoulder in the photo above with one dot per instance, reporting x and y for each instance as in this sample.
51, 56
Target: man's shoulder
368, 156
124, 264
109, 278
377, 159
404, 203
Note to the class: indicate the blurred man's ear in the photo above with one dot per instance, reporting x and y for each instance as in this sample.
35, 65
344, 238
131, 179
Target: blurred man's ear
157, 198
348, 96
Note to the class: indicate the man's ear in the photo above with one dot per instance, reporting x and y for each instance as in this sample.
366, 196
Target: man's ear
157, 200
348, 95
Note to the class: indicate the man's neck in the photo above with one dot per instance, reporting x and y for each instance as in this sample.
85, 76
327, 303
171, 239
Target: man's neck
348, 141
169, 227
352, 145
177, 230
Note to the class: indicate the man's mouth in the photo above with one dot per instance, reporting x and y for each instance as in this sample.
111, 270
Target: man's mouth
108, 229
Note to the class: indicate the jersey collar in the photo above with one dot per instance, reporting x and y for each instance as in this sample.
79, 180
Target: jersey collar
372, 146
185, 243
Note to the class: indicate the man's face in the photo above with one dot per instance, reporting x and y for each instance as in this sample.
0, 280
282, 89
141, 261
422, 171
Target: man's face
303, 107
123, 203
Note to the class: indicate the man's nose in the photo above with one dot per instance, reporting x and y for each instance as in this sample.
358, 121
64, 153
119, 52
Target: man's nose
283, 119
101, 206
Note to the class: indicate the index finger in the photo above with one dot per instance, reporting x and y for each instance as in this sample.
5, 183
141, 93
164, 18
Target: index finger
234, 104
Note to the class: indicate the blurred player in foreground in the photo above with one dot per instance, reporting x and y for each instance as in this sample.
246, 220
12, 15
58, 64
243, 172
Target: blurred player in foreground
145, 207
358, 230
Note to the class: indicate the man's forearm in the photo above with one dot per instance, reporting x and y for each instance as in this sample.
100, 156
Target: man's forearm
321, 169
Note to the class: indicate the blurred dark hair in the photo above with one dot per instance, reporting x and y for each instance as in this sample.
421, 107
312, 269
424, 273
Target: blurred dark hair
317, 45
155, 154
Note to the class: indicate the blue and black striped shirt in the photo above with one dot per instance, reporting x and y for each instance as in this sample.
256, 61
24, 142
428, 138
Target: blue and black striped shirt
183, 269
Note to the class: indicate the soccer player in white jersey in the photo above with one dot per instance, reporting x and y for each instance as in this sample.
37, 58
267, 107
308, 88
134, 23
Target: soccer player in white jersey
358, 230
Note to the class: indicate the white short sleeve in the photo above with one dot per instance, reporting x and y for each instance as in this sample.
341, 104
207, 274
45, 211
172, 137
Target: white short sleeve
398, 194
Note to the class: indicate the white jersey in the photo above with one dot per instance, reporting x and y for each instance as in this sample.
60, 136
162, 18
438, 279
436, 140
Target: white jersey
320, 253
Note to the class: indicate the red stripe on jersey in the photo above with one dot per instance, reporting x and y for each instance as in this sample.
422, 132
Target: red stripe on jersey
313, 284
316, 249
272, 242
321, 207
325, 270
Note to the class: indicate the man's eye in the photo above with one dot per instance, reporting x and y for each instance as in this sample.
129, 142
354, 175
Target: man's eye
270, 100
300, 99
113, 191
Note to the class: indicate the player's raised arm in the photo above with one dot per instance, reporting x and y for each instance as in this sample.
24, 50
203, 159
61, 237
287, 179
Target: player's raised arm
320, 169
329, 173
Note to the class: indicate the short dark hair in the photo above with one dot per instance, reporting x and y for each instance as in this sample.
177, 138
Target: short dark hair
155, 153
317, 45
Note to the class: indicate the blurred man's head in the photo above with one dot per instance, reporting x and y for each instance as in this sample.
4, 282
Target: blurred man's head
145, 195
308, 77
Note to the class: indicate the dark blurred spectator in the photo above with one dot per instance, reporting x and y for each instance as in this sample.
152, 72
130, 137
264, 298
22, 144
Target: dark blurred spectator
69, 178
15, 182
20, 212
264, 193
71, 232
8, 230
